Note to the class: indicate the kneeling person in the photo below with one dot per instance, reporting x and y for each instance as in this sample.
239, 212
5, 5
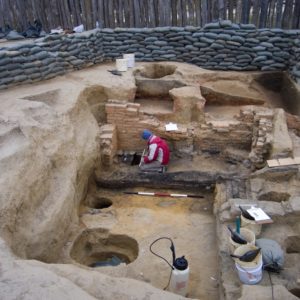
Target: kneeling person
157, 155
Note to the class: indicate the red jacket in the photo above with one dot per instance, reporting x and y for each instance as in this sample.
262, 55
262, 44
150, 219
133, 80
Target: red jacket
157, 150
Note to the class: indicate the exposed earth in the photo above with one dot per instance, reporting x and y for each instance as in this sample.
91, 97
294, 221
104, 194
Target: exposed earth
56, 169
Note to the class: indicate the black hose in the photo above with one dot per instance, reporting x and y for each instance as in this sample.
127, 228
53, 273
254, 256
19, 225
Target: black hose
173, 256
168, 281
172, 247
272, 289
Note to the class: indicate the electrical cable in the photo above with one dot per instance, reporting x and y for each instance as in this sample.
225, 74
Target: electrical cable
168, 281
162, 238
173, 251
271, 285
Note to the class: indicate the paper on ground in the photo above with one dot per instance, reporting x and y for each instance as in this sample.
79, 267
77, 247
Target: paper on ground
259, 215
171, 127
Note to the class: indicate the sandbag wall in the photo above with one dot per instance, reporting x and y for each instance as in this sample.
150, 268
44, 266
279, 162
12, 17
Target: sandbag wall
45, 58
232, 47
217, 46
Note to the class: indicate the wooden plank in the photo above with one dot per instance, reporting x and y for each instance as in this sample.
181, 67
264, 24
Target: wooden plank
21, 14
90, 23
221, 9
111, 14
179, 13
132, 16
191, 13
296, 16
263, 14
43, 14
213, 10
60, 14
73, 13
100, 14
287, 14
168, 13
148, 13
286, 161
83, 12
297, 160
184, 12
116, 12
173, 13
230, 10
127, 13
151, 13
273, 163
279, 11
121, 13
94, 13
137, 16
245, 11
67, 15
78, 13
53, 16
198, 12
271, 14
1, 15
239, 11
255, 13
209, 11
161, 13
142, 14
12, 9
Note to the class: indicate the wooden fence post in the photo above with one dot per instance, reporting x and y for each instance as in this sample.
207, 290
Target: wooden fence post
148, 13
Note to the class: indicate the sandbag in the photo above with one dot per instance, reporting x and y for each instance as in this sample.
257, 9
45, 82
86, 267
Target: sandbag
272, 254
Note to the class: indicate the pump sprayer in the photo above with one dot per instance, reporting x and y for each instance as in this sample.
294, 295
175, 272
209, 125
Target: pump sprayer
179, 277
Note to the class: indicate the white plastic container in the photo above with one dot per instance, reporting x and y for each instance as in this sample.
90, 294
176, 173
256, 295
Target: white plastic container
179, 281
249, 272
121, 64
249, 275
250, 224
130, 59
247, 234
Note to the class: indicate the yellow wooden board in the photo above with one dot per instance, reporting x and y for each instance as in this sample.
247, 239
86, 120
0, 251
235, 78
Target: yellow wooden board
283, 162
273, 163
286, 161
297, 160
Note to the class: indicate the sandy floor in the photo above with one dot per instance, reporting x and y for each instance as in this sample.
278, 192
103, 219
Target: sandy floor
189, 222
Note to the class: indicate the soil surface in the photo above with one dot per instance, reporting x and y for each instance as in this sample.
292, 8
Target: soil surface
189, 222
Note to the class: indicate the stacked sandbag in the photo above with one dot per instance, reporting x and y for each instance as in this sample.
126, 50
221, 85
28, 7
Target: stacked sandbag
48, 57
218, 46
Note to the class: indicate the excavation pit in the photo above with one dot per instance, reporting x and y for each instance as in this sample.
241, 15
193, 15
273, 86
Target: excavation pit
93, 248
189, 222
293, 244
156, 71
215, 153
99, 202
225, 98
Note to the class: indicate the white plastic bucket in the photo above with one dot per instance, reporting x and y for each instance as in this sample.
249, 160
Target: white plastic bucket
245, 233
121, 64
249, 272
130, 59
250, 224
249, 275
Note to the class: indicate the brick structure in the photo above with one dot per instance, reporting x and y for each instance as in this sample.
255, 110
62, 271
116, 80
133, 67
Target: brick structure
108, 144
130, 123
